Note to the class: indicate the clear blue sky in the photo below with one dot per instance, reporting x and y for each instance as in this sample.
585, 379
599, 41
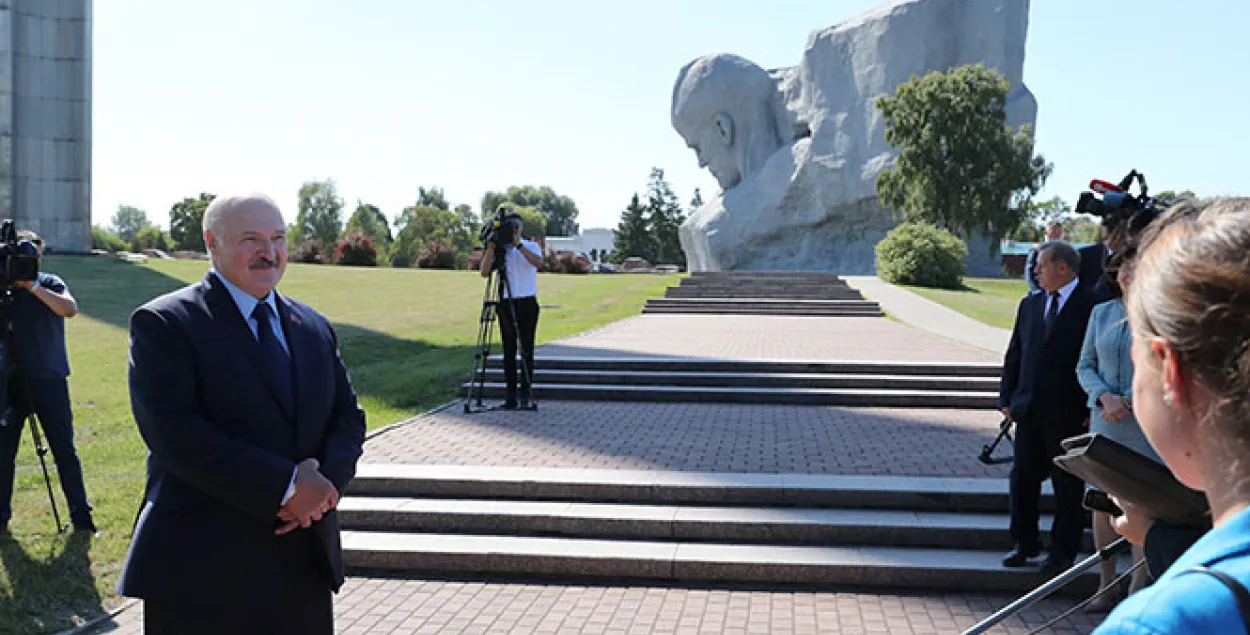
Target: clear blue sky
384, 96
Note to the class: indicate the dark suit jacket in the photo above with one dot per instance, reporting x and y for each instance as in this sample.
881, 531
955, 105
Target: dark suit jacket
1039, 372
1093, 274
222, 448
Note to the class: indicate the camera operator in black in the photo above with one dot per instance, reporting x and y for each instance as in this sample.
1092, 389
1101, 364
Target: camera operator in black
38, 368
519, 295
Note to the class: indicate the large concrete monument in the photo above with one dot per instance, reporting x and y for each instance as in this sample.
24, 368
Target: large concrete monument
45, 119
797, 150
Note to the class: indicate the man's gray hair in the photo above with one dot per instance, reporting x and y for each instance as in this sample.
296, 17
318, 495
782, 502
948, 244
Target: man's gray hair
215, 215
1061, 251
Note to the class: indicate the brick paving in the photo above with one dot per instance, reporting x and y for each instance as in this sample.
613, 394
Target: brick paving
692, 437
384, 606
700, 437
767, 337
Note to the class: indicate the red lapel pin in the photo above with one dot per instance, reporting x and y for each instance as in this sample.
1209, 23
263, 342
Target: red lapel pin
294, 319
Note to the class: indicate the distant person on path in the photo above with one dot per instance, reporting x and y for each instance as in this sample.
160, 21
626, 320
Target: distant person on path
253, 433
522, 260
38, 382
1054, 231
1040, 393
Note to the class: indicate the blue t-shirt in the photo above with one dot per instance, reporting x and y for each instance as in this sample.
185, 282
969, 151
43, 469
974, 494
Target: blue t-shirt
38, 333
1192, 602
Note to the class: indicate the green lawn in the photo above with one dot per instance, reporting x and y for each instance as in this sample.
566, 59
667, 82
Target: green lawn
989, 300
407, 337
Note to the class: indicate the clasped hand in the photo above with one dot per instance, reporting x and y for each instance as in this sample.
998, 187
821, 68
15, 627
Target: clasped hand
313, 498
1114, 407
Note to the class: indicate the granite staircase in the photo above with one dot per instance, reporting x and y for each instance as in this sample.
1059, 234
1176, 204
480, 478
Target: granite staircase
811, 294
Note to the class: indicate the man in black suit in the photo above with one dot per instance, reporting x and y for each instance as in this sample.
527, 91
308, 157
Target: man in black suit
253, 431
1093, 261
1041, 394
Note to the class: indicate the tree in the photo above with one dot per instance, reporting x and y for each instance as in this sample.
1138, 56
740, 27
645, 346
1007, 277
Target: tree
186, 222
320, 213
1037, 216
424, 223
959, 166
632, 236
369, 221
1082, 229
1167, 197
696, 201
534, 223
432, 197
664, 217
560, 212
128, 221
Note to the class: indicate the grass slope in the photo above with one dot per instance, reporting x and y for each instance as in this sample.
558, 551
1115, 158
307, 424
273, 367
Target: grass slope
407, 336
989, 300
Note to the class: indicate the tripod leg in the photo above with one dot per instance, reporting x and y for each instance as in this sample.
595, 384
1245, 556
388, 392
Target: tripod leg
42, 451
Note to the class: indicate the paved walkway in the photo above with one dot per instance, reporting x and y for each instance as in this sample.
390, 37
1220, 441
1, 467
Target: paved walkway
381, 606
701, 438
929, 315
755, 337
692, 437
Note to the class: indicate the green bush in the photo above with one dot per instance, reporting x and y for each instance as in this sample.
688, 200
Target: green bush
356, 249
437, 255
920, 254
308, 252
150, 237
108, 241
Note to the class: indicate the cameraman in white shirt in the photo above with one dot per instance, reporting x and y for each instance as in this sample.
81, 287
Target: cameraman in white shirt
519, 298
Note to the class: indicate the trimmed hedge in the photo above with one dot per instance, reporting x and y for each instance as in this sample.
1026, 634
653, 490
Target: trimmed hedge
923, 255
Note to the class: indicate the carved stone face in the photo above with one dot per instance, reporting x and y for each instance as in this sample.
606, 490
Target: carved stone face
724, 106
711, 138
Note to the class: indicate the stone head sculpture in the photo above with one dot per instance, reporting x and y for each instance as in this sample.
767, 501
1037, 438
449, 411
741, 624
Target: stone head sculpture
728, 110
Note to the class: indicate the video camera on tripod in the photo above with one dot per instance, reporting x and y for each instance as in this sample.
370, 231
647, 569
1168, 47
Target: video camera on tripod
1119, 210
500, 231
19, 262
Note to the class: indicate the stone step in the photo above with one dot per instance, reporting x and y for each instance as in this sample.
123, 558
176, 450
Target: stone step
543, 375
695, 293
653, 487
711, 365
893, 567
764, 275
746, 310
765, 303
774, 395
772, 525
798, 313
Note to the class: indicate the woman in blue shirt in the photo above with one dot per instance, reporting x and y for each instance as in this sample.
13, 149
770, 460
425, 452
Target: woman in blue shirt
1105, 371
1190, 312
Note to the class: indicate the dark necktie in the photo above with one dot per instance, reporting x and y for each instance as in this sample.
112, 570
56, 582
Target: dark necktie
1052, 311
277, 361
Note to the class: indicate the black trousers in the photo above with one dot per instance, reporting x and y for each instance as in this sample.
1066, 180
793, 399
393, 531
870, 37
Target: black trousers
300, 603
1037, 443
49, 399
526, 310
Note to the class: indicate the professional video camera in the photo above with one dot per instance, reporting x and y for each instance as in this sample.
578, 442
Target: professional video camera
19, 259
501, 230
1119, 210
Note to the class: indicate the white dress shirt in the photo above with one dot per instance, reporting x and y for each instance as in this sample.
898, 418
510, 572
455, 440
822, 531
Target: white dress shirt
1065, 292
522, 276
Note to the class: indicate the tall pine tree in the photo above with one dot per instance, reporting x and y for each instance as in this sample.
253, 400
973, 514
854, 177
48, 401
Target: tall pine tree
665, 217
633, 236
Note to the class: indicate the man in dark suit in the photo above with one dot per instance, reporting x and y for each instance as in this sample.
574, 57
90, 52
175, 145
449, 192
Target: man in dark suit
253, 431
1093, 261
1041, 394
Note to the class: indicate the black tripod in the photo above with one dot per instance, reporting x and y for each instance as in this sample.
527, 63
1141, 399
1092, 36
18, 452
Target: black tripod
497, 291
9, 369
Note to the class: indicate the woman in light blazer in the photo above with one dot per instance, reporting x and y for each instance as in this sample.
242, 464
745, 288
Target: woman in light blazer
1106, 373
